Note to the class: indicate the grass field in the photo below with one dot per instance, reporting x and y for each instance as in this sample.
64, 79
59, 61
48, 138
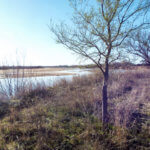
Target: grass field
67, 116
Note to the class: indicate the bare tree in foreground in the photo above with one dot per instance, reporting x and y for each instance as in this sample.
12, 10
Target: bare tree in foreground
99, 28
139, 45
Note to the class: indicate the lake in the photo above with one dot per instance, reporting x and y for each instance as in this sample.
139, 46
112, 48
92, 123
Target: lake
8, 86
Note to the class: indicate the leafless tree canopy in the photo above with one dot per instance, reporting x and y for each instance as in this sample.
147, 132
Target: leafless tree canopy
98, 30
97, 26
139, 45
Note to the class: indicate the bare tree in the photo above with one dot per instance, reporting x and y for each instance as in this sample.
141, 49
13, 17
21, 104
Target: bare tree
12, 78
139, 45
99, 28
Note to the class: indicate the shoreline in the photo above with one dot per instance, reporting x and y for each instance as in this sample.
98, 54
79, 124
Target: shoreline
27, 73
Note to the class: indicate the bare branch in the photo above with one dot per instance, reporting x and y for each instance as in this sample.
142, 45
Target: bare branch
139, 45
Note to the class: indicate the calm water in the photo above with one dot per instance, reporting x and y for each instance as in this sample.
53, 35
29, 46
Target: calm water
50, 80
8, 85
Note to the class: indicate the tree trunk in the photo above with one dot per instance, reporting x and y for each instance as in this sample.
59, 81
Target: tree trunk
104, 97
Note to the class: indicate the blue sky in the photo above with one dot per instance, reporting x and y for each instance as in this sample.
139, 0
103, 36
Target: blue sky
23, 28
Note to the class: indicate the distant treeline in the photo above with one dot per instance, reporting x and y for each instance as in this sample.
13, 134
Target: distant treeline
19, 67
114, 65
37, 67
126, 65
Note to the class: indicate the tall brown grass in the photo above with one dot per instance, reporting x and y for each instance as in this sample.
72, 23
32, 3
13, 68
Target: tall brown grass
67, 115
128, 91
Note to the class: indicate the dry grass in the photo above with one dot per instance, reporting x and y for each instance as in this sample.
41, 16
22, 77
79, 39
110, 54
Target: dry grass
130, 95
65, 116
15, 73
128, 92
